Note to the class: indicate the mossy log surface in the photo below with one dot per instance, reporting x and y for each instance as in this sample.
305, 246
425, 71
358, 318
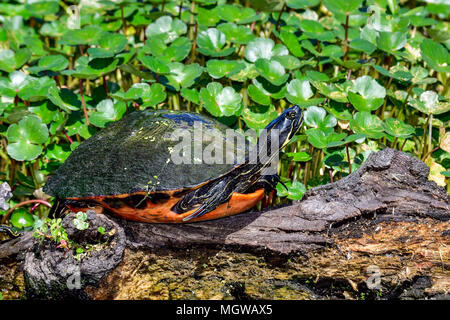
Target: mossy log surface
382, 232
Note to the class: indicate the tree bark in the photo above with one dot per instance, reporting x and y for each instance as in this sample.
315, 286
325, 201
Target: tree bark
381, 232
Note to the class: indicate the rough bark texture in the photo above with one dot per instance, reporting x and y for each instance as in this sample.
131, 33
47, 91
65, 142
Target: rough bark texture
381, 232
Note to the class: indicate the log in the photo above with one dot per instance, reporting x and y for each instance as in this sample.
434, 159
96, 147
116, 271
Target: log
380, 233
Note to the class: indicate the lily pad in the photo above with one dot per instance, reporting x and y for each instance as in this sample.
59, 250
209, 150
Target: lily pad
88, 35
166, 28
175, 52
292, 43
320, 138
368, 124
107, 111
14, 85
10, 60
211, 42
429, 103
21, 218
91, 69
272, 71
258, 117
295, 190
109, 45
317, 117
183, 75
236, 14
50, 63
299, 92
191, 95
299, 156
236, 33
220, 101
223, 68
398, 128
435, 55
25, 138
264, 48
368, 95
64, 98
156, 65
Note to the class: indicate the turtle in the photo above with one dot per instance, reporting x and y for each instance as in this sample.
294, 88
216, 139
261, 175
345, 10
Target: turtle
128, 168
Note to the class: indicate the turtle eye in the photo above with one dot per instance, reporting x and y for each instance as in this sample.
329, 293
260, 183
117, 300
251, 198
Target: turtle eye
291, 115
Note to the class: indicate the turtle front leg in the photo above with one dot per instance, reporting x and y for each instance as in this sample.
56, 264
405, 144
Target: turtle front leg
9, 231
209, 197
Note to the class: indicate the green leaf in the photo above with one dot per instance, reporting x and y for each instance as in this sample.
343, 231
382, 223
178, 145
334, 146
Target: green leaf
236, 14
107, 111
302, 4
190, 95
317, 117
258, 95
166, 28
398, 128
320, 138
50, 63
64, 98
109, 45
220, 101
299, 156
10, 60
25, 138
272, 71
42, 8
36, 88
153, 95
369, 94
299, 92
183, 75
263, 48
343, 6
362, 45
58, 152
21, 218
292, 43
88, 35
91, 69
295, 191
16, 83
332, 91
223, 68
435, 55
154, 64
258, 117
368, 124
391, 41
429, 103
236, 33
207, 17
175, 52
211, 42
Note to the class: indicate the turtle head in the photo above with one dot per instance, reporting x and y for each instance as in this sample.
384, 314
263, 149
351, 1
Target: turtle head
287, 124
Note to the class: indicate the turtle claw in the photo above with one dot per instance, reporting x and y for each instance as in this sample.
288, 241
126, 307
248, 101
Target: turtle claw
197, 213
10, 232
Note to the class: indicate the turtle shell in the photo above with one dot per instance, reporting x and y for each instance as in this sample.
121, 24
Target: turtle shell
136, 154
